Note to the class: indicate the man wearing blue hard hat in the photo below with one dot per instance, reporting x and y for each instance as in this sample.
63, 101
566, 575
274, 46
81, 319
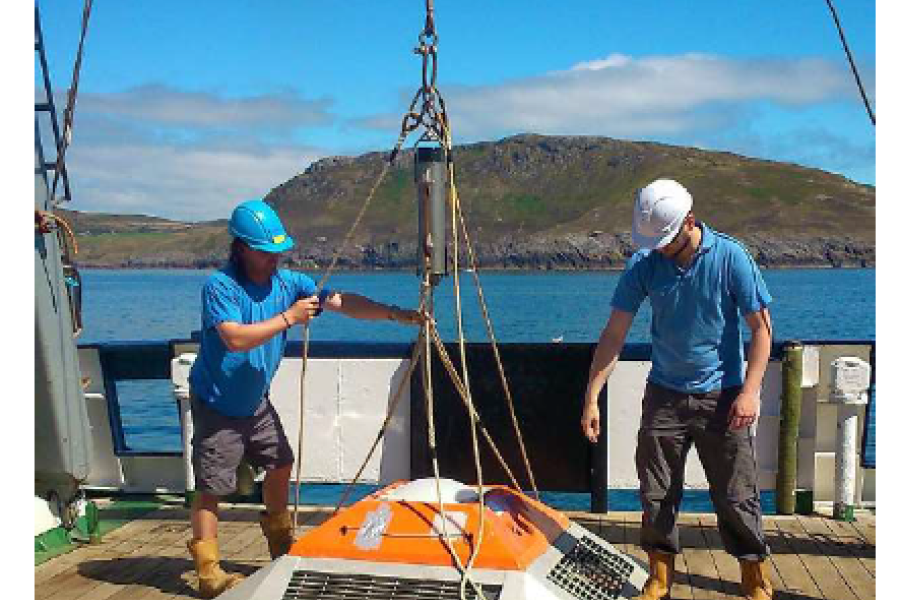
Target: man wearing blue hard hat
247, 309
700, 284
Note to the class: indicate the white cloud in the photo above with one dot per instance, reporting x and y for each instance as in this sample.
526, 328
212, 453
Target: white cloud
165, 106
610, 62
628, 97
178, 182
186, 155
193, 155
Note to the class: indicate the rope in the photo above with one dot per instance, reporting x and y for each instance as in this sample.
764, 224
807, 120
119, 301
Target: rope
392, 405
476, 454
454, 377
362, 211
473, 264
319, 287
66, 227
300, 427
431, 329
496, 352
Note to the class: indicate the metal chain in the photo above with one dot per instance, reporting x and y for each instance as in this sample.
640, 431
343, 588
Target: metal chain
427, 109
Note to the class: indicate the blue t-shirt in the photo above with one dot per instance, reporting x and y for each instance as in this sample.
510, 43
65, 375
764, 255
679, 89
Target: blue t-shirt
695, 330
235, 383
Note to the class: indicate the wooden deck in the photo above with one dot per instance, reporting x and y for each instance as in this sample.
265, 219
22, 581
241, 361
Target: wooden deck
146, 559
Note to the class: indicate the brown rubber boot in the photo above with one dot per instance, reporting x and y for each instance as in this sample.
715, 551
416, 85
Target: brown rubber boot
213, 580
662, 574
755, 583
277, 529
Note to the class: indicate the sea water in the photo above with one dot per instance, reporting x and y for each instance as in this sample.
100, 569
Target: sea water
127, 305
809, 304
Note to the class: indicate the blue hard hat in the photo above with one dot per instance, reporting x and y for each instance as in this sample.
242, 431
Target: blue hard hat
257, 225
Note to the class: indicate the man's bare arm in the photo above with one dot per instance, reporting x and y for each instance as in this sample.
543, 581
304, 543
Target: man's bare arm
240, 337
606, 354
746, 407
360, 307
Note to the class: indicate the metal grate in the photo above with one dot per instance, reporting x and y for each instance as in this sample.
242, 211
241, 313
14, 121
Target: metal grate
327, 586
590, 572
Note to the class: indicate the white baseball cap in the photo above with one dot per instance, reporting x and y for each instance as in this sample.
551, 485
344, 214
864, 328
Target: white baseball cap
659, 210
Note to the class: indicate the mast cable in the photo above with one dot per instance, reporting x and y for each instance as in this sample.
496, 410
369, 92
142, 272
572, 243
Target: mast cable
859, 84
69, 112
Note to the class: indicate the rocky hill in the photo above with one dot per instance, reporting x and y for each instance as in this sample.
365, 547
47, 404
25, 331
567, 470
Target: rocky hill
531, 202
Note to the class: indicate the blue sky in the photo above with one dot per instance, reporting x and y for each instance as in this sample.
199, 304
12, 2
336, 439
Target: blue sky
186, 108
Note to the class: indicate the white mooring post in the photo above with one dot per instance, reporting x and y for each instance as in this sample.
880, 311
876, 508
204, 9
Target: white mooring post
850, 376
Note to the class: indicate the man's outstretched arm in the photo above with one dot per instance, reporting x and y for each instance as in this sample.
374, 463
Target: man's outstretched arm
360, 307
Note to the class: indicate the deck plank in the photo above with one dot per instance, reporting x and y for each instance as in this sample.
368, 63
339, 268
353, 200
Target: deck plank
112, 544
167, 578
814, 557
853, 557
839, 549
103, 576
681, 587
796, 580
702, 571
612, 529
89, 566
726, 565
865, 525
853, 542
147, 559
632, 526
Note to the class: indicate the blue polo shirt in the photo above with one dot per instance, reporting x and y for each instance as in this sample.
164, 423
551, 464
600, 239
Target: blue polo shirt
235, 383
695, 330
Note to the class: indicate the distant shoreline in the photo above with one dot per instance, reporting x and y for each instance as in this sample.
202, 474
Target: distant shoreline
785, 267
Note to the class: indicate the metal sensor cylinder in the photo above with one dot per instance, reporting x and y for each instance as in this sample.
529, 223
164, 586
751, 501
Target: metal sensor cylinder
431, 186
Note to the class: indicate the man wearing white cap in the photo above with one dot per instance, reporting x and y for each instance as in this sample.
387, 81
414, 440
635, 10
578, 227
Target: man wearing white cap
700, 284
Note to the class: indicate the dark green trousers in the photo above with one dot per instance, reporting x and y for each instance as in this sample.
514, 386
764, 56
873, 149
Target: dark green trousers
672, 422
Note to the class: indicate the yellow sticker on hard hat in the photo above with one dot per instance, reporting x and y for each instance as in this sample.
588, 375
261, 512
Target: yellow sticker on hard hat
278, 239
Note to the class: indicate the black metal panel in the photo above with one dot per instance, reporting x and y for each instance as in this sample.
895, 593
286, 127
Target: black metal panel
350, 350
547, 383
599, 458
590, 572
315, 585
867, 456
123, 361
136, 360
111, 394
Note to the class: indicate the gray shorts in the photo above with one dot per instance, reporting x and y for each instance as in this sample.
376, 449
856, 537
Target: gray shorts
220, 442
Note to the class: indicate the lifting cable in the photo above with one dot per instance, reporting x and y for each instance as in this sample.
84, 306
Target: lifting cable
473, 266
432, 116
319, 287
859, 84
428, 110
